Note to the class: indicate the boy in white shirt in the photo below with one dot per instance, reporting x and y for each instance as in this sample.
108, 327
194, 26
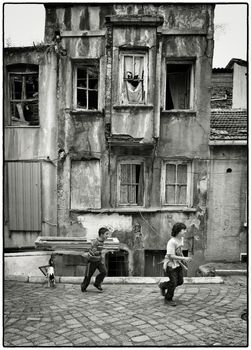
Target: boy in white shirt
173, 263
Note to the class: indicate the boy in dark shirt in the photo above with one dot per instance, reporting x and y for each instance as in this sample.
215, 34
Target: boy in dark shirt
95, 261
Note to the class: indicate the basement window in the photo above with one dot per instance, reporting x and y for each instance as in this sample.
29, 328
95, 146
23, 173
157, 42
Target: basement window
86, 86
176, 179
133, 78
131, 183
117, 263
23, 95
179, 85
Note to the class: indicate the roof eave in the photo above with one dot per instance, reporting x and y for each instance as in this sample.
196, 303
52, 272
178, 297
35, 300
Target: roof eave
227, 142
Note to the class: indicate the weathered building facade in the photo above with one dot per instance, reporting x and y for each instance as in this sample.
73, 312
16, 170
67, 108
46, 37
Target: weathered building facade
30, 145
126, 108
227, 224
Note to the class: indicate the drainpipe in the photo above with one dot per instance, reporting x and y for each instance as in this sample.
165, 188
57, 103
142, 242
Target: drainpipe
156, 122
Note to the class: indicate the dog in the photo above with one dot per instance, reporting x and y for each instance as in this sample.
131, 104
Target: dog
51, 274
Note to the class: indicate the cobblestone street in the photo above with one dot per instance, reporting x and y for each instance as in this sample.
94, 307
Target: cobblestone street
125, 315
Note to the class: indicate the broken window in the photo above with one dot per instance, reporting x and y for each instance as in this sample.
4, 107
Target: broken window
87, 87
179, 86
131, 184
177, 183
134, 79
23, 95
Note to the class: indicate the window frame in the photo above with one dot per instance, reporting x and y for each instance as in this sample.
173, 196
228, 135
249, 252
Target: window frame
85, 63
133, 52
21, 69
139, 161
180, 61
189, 192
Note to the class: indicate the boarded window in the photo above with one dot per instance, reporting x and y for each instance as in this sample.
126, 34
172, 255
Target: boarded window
179, 81
87, 87
131, 184
134, 78
176, 183
23, 95
24, 196
85, 184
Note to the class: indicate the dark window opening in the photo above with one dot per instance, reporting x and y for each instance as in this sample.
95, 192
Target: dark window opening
87, 88
117, 263
178, 78
229, 170
153, 265
23, 95
131, 184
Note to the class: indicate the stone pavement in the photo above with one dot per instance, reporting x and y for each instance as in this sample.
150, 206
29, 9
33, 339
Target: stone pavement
125, 315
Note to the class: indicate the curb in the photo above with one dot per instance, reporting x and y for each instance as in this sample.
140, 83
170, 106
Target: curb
231, 272
114, 280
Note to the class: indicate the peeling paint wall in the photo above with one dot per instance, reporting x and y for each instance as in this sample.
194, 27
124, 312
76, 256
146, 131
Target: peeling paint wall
117, 132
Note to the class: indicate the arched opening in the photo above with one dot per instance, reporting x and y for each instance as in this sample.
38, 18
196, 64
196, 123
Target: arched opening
117, 263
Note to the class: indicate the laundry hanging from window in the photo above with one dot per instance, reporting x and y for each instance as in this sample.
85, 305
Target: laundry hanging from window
133, 84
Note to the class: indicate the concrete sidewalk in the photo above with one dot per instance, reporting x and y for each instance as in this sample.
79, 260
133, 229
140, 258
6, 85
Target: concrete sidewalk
125, 315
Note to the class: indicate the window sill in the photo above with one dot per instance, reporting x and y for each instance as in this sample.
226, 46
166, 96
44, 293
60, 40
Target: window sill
179, 112
135, 210
22, 126
136, 106
84, 112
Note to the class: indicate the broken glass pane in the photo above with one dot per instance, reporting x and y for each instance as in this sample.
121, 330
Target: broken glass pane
92, 99
81, 98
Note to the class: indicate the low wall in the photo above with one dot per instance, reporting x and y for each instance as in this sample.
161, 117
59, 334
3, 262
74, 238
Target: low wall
25, 264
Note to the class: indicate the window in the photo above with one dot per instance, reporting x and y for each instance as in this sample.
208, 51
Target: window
85, 184
179, 85
176, 179
134, 78
24, 196
131, 183
117, 263
23, 95
86, 86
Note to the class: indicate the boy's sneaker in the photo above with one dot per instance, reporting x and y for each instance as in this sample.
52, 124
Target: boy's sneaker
170, 302
83, 289
98, 287
162, 290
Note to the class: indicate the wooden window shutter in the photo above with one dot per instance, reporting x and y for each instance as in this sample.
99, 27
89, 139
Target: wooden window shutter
24, 195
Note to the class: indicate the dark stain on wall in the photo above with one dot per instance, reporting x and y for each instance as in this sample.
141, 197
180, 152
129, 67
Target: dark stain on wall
67, 18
